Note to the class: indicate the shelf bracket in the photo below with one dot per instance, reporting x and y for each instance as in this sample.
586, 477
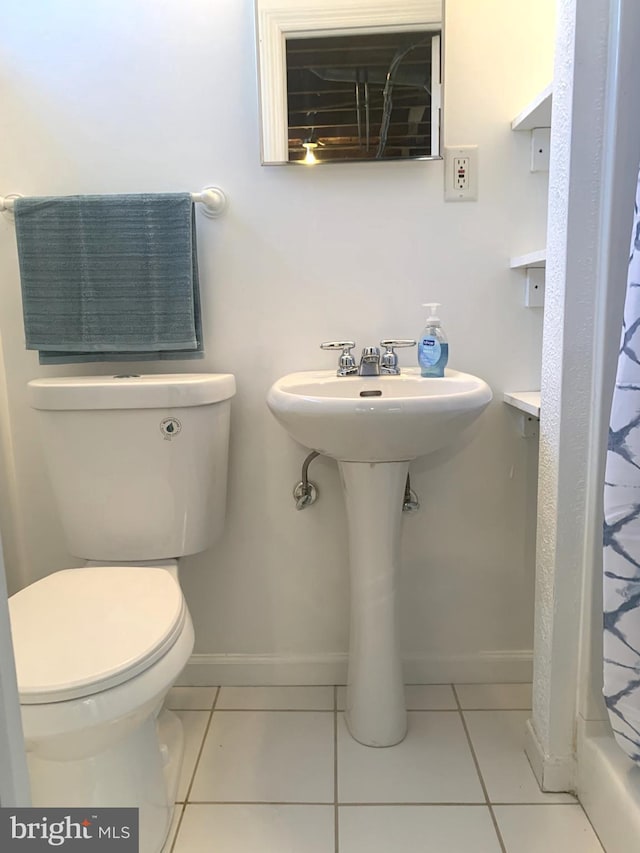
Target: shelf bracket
528, 425
540, 149
534, 287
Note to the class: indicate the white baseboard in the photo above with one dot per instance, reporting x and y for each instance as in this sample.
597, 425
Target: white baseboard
554, 773
237, 670
268, 669
608, 787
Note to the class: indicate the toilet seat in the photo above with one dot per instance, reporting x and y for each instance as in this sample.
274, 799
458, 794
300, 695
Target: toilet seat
81, 631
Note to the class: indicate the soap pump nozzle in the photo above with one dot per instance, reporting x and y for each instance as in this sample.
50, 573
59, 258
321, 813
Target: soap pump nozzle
432, 319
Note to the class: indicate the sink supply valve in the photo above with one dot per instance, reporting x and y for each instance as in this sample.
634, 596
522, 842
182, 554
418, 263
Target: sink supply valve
305, 492
389, 358
347, 365
410, 502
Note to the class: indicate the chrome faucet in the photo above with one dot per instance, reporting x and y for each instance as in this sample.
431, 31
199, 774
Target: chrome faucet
371, 362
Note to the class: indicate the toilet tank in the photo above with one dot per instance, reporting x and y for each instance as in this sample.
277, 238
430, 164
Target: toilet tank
138, 464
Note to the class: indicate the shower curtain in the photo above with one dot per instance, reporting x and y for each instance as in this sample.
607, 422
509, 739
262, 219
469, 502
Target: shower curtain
622, 524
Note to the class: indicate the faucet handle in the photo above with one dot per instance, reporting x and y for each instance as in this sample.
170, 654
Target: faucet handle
347, 364
343, 345
389, 359
392, 344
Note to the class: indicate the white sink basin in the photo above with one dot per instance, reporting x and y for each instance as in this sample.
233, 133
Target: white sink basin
376, 418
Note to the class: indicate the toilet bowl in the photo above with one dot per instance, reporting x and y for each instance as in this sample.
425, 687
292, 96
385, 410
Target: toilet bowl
96, 651
138, 466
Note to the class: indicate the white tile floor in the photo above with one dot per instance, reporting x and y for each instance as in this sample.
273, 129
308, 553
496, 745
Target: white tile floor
274, 770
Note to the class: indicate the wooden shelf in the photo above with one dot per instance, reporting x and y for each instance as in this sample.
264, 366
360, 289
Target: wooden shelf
537, 113
525, 401
536, 260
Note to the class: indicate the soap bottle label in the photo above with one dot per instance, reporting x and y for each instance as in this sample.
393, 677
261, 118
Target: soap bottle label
430, 351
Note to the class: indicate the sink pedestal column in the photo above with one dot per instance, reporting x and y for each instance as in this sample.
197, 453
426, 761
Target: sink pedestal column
373, 491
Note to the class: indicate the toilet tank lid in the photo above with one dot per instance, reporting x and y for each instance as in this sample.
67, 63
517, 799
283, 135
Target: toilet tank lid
131, 391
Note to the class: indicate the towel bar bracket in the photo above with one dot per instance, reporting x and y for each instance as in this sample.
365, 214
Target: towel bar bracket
212, 199
6, 203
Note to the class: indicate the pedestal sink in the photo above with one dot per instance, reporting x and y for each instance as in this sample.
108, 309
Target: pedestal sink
374, 426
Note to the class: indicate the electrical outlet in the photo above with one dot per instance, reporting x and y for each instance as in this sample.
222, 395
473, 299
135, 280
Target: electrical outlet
461, 173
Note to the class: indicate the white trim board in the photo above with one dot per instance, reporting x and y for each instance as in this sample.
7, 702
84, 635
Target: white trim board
272, 669
554, 773
608, 787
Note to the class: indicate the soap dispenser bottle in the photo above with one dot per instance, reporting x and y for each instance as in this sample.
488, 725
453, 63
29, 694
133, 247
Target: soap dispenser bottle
433, 349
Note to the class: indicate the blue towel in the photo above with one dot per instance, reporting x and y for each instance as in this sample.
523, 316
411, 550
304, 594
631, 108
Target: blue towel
109, 278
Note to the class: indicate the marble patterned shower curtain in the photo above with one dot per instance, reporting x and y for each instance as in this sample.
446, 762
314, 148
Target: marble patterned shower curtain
622, 524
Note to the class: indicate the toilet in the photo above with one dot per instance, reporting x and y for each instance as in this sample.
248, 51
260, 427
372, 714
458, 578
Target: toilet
138, 466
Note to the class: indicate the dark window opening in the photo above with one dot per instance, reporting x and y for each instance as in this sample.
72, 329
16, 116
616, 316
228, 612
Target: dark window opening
363, 97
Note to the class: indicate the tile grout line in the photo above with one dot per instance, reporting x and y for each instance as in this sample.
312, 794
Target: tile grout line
369, 803
597, 835
326, 803
175, 835
331, 710
204, 737
478, 771
336, 810
277, 710
494, 709
183, 806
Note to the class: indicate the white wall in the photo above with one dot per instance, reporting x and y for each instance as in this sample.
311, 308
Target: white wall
154, 96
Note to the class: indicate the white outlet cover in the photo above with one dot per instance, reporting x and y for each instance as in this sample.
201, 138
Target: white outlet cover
451, 191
